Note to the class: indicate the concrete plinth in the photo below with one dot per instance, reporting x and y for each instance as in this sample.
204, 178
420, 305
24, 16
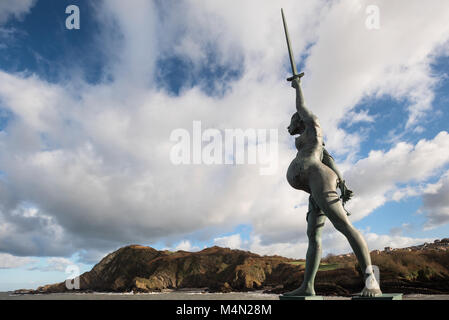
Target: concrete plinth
282, 297
385, 296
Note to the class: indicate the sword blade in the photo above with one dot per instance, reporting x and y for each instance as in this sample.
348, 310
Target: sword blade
290, 52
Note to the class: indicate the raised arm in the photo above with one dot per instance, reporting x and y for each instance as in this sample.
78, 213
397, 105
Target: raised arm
303, 112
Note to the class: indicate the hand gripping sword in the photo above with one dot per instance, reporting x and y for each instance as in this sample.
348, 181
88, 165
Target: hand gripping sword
292, 58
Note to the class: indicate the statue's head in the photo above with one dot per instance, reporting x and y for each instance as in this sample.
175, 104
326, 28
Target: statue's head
296, 125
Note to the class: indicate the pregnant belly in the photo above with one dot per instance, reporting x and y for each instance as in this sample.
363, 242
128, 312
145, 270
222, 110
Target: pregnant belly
297, 176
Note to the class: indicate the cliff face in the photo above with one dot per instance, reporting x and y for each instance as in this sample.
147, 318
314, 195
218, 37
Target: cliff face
144, 269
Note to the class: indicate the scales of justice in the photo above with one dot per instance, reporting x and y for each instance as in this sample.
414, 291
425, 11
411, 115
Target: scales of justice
314, 171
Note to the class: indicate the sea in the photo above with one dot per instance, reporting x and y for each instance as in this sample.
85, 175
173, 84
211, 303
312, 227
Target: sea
179, 295
172, 295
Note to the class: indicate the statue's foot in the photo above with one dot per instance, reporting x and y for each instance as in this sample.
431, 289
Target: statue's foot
372, 288
301, 291
371, 292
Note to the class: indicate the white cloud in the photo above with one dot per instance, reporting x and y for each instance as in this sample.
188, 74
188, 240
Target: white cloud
397, 231
132, 45
436, 203
332, 242
8, 261
362, 116
185, 245
336, 243
375, 179
12, 8
296, 250
350, 62
376, 241
233, 241
94, 159
56, 264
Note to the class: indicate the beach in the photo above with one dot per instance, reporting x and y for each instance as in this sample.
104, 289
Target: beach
179, 295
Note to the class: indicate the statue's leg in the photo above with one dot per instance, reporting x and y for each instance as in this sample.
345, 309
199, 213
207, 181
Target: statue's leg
323, 184
315, 224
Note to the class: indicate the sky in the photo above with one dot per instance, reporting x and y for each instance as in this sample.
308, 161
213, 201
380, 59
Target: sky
86, 117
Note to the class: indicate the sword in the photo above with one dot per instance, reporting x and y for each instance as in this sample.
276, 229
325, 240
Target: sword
292, 58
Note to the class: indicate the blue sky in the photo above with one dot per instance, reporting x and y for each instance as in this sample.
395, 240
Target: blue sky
86, 115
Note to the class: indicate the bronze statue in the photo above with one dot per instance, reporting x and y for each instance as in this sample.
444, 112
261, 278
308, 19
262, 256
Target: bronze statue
313, 170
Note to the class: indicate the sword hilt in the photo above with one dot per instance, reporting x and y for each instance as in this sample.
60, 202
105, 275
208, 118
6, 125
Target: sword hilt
296, 76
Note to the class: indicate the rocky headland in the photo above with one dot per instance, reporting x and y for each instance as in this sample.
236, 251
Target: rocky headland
419, 269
